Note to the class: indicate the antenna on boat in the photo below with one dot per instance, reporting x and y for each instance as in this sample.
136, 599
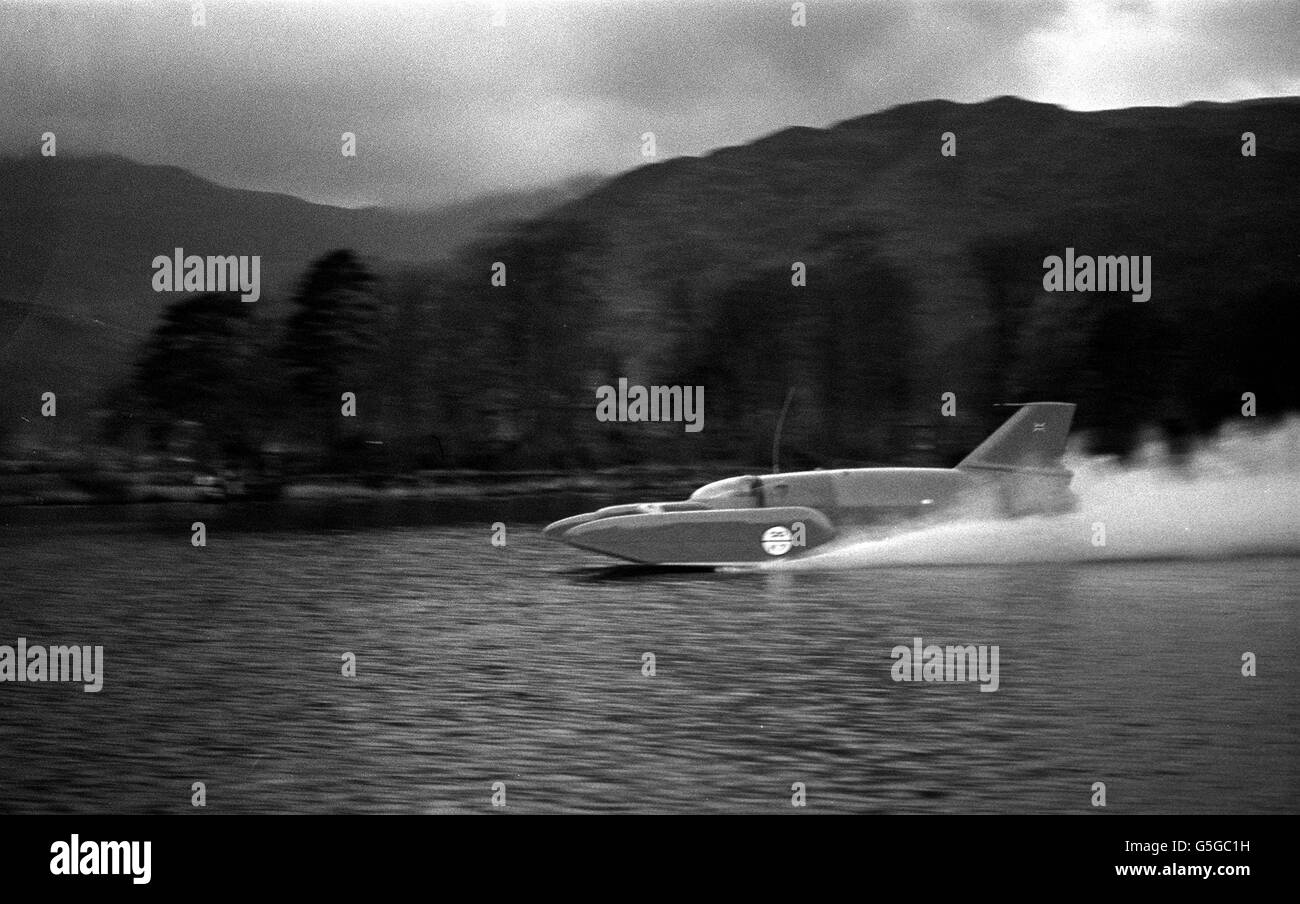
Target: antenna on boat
776, 440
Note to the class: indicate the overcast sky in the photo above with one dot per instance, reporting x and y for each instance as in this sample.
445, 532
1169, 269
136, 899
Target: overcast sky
449, 100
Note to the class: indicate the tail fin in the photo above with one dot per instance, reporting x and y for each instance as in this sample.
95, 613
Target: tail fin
1033, 439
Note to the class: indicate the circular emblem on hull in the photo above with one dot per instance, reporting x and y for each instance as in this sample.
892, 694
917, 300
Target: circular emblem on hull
776, 541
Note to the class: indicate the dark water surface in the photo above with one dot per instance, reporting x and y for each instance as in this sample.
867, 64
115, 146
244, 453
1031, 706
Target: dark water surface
478, 664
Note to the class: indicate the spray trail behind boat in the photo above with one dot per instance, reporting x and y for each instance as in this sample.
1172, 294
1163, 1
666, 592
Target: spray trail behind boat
1238, 494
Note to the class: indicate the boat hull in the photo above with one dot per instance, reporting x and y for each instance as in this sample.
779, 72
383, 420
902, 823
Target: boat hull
710, 537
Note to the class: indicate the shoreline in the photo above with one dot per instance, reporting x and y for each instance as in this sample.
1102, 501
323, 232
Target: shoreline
52, 488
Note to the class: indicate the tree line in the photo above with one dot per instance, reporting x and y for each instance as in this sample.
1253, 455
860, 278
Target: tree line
447, 370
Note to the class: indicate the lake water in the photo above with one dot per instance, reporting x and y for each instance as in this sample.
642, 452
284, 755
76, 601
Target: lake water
523, 664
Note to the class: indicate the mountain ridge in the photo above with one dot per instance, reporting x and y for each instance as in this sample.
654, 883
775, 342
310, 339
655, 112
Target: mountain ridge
923, 270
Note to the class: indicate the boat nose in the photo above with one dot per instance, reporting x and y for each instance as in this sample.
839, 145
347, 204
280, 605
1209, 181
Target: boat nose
557, 529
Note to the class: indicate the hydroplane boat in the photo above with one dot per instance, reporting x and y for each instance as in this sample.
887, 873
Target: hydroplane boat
746, 520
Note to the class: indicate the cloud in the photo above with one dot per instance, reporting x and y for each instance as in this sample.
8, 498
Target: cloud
445, 104
1098, 56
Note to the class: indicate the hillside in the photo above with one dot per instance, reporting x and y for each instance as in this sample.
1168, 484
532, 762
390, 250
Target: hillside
924, 276
78, 234
925, 271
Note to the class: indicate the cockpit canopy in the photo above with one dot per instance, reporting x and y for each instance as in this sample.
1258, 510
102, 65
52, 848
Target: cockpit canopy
740, 491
